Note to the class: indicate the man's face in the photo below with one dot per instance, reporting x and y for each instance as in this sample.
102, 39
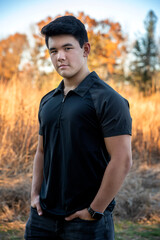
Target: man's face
67, 56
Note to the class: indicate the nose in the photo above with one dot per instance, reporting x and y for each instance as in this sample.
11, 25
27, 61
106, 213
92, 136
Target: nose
61, 56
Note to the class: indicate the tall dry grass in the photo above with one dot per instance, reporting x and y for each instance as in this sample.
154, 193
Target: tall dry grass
18, 126
145, 112
19, 102
146, 128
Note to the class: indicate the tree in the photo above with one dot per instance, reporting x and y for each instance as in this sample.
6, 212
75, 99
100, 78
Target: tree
145, 51
106, 38
107, 44
10, 55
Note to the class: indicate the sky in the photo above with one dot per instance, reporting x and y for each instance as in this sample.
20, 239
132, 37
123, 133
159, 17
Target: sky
19, 15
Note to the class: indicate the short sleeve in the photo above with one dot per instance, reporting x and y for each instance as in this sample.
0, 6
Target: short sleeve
115, 117
40, 122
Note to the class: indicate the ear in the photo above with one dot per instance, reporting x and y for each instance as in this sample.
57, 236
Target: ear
86, 48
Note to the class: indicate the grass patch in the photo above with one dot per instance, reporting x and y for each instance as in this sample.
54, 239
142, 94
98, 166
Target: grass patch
130, 231
12, 231
11, 235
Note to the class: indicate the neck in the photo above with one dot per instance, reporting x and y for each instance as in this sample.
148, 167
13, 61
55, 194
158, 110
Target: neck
72, 83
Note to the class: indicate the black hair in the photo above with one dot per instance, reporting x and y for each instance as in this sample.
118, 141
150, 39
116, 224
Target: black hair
66, 25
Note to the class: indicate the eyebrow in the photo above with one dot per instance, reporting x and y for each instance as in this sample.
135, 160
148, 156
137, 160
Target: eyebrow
65, 45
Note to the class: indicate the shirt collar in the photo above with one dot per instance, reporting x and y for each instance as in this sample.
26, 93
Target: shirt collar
59, 88
82, 88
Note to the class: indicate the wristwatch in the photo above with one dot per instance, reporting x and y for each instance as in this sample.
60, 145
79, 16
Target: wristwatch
94, 214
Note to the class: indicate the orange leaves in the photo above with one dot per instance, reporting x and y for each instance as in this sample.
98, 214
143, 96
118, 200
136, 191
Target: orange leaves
106, 38
107, 45
107, 42
10, 54
44, 22
110, 68
89, 22
39, 40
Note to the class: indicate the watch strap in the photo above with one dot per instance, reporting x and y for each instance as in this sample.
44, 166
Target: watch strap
94, 213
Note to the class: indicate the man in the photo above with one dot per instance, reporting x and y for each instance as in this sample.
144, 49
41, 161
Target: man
84, 146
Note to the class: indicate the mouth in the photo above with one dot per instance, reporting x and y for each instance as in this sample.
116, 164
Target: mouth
63, 66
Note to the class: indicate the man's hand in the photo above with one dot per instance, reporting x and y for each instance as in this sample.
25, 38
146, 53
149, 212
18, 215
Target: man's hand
82, 214
36, 204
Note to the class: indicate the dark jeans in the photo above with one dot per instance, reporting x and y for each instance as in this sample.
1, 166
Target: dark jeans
47, 228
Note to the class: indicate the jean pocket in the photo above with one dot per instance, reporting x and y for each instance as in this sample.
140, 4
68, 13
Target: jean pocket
34, 210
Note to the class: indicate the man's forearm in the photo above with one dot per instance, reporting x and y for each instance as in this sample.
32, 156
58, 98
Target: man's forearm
111, 183
37, 174
112, 180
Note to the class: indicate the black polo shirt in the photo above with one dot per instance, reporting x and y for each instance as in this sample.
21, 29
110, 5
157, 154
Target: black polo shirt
73, 129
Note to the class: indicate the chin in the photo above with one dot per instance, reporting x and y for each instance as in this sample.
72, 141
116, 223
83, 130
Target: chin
67, 75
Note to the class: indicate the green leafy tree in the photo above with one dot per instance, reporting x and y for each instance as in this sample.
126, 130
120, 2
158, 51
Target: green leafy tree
145, 52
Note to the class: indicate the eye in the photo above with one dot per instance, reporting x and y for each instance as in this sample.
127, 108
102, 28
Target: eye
67, 48
53, 52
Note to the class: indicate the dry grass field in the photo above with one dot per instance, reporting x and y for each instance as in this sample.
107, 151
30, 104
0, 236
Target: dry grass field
139, 197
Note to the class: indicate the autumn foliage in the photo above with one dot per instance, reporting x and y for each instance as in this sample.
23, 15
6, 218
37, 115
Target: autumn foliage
107, 43
10, 54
